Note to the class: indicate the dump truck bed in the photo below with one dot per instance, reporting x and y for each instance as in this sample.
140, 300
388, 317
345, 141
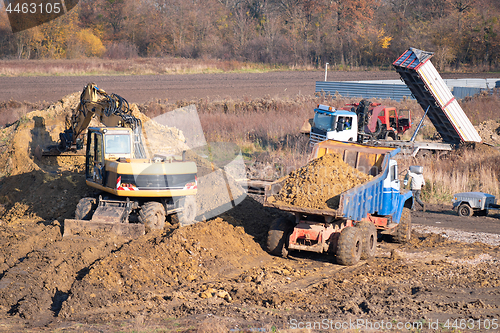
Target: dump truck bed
445, 113
358, 201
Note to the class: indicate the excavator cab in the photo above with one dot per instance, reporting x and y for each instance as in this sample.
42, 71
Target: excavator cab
106, 144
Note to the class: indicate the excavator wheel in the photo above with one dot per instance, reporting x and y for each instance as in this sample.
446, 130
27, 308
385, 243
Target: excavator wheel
369, 233
349, 246
152, 215
188, 214
85, 208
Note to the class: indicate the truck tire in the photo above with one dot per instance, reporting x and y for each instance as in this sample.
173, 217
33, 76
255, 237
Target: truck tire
188, 214
85, 208
349, 246
403, 230
465, 210
278, 234
152, 215
369, 236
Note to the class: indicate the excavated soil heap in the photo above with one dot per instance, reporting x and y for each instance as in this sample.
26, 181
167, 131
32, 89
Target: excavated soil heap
319, 183
144, 271
489, 131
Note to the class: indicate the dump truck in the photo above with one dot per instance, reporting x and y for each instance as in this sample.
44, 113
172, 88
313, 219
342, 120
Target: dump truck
350, 231
431, 92
134, 193
364, 121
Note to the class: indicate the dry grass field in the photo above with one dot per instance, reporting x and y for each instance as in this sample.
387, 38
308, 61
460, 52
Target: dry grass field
134, 66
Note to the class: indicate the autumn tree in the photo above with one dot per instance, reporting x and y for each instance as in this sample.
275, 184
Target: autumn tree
345, 33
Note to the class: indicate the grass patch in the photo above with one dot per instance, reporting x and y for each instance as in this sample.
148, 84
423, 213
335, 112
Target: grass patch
135, 66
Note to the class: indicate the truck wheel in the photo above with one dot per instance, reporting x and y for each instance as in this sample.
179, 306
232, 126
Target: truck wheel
188, 214
403, 230
152, 215
369, 235
85, 208
278, 234
465, 210
349, 246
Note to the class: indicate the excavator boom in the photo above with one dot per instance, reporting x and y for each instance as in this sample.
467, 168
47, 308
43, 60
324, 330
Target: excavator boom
112, 110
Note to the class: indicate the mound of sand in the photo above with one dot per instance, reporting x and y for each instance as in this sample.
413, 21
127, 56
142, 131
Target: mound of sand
319, 183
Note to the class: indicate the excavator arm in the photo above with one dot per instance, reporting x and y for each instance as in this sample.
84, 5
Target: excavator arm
111, 109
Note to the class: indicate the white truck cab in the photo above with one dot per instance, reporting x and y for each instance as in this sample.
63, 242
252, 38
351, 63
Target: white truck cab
330, 123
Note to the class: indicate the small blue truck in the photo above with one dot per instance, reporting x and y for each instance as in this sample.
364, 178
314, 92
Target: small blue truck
350, 231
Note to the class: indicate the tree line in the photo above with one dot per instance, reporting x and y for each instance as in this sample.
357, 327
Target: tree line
344, 33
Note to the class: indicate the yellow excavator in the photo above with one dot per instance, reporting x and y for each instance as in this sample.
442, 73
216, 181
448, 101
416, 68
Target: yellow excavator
136, 193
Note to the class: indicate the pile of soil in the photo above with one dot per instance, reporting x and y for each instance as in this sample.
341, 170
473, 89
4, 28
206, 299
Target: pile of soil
50, 187
146, 271
489, 131
40, 270
319, 183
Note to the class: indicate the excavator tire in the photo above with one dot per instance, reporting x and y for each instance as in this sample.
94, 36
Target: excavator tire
403, 230
85, 208
152, 215
349, 246
369, 233
279, 231
188, 214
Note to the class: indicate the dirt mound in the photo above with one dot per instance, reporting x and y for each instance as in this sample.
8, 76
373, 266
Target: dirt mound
41, 270
319, 183
159, 138
144, 271
489, 131
39, 282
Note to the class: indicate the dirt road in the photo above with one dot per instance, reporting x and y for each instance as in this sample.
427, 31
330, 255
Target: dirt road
145, 88
443, 216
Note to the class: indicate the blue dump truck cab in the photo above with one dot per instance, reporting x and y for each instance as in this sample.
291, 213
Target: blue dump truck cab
350, 230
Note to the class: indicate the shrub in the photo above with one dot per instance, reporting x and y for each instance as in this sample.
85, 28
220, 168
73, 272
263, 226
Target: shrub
121, 50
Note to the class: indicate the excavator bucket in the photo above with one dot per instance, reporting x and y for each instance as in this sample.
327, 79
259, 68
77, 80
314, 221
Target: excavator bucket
97, 228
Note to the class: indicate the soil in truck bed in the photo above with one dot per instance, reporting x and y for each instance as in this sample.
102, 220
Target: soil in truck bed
319, 183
